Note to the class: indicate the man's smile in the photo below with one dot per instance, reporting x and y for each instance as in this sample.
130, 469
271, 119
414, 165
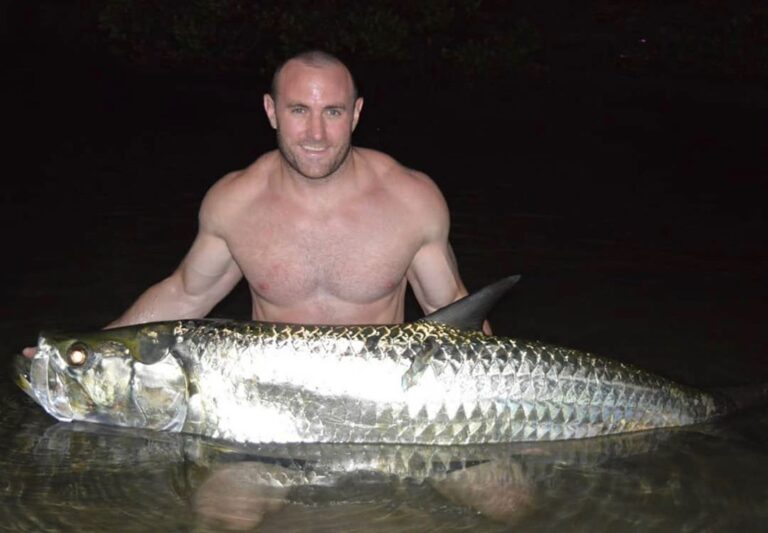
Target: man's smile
315, 150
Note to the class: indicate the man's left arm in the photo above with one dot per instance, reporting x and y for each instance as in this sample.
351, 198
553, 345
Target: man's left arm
435, 280
434, 272
434, 276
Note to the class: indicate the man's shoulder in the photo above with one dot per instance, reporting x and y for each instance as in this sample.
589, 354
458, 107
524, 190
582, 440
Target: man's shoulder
412, 190
244, 183
397, 177
237, 191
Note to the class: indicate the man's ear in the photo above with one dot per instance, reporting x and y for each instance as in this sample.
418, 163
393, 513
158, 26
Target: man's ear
356, 112
269, 107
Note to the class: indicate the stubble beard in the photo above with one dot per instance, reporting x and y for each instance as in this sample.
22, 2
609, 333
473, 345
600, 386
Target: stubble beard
291, 158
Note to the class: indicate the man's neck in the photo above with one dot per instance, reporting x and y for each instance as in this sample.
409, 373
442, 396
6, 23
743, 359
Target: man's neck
320, 190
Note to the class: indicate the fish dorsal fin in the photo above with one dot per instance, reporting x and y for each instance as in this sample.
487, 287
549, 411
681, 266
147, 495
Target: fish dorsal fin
470, 312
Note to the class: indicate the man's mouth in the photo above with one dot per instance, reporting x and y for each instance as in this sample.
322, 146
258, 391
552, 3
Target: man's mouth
314, 149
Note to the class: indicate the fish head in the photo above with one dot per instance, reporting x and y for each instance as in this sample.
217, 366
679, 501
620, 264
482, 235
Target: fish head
126, 377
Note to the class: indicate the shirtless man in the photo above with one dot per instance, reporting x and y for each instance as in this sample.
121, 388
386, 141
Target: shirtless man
323, 232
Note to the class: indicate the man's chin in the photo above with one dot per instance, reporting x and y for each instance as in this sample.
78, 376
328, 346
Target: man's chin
316, 170
314, 173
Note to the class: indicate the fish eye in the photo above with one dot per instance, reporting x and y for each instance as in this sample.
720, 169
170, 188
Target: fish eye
77, 354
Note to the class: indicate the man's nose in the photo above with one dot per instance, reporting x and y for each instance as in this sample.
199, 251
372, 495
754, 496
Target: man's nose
317, 127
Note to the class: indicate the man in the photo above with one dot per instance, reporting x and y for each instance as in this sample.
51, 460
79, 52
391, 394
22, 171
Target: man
323, 232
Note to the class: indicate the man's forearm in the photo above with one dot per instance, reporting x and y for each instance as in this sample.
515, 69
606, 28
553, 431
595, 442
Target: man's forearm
165, 300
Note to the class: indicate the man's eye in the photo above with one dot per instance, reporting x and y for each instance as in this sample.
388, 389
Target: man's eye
297, 110
334, 112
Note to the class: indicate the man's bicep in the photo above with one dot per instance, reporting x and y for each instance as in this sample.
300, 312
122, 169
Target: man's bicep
434, 277
208, 266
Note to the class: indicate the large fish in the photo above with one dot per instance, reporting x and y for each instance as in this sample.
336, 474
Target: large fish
438, 380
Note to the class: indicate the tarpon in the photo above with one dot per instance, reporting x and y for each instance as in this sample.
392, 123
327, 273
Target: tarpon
438, 381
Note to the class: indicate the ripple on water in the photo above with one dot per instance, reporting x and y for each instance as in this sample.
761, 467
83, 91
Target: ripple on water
75, 477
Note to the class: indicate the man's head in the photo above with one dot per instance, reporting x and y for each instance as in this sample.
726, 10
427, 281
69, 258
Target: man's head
314, 107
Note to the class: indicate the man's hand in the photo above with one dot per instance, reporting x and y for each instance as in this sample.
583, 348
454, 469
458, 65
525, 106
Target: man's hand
29, 352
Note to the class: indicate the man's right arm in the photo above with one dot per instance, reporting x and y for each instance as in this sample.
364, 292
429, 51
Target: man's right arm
205, 276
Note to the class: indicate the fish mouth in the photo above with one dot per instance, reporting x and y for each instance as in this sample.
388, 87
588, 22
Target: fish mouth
42, 384
22, 370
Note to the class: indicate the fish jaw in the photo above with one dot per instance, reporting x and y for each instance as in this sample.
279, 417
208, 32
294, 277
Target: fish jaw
35, 378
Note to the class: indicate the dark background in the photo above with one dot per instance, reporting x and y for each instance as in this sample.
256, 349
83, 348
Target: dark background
613, 154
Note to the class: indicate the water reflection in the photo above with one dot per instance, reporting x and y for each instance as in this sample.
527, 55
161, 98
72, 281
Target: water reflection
65, 477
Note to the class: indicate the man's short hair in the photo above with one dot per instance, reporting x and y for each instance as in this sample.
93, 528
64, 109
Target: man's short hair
313, 58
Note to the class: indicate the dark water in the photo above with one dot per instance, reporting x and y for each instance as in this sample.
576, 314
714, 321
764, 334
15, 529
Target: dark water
66, 477
634, 208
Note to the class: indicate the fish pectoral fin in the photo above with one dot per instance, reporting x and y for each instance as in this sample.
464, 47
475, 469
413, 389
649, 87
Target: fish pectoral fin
418, 365
470, 312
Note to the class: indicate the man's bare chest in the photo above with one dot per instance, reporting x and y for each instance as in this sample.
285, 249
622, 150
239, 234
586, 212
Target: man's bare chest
358, 258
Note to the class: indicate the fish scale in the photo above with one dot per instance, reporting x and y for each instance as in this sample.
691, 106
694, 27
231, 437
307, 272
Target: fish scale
436, 381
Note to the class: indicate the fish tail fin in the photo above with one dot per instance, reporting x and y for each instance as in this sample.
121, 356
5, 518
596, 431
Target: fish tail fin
741, 397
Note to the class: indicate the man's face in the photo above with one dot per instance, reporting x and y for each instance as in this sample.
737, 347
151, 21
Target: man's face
314, 113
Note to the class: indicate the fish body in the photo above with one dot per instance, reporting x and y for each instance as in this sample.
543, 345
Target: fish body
434, 381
